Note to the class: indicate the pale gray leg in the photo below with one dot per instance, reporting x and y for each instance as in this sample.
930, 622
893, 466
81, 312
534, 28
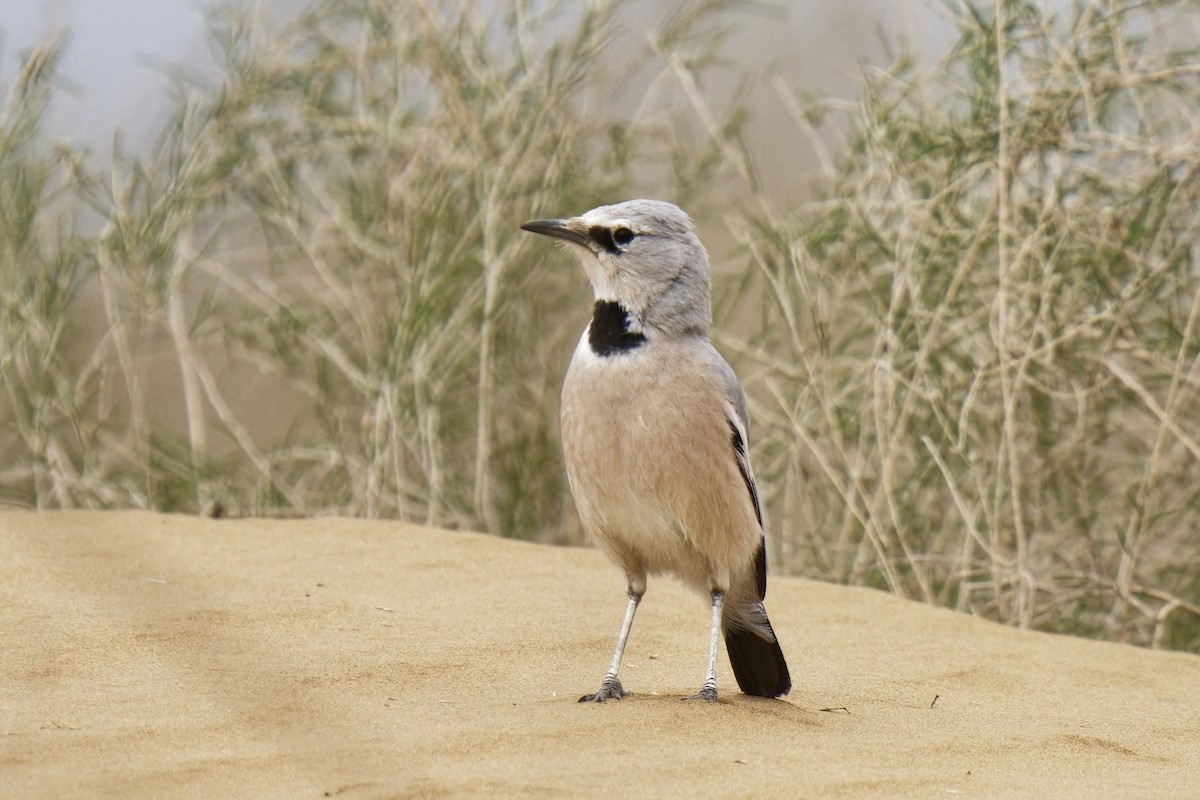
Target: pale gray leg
708, 692
611, 689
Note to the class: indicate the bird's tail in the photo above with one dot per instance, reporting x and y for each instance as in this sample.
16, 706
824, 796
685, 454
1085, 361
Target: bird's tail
757, 660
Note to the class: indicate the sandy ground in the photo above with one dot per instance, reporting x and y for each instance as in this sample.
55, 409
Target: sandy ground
149, 656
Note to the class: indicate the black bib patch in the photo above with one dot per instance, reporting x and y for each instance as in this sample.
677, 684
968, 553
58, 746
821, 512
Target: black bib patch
609, 332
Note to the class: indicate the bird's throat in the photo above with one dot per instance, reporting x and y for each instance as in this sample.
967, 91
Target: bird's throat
609, 333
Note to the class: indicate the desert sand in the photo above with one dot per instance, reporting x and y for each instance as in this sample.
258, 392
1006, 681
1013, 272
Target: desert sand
153, 656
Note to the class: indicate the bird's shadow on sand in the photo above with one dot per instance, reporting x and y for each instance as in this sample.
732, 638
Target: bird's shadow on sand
733, 706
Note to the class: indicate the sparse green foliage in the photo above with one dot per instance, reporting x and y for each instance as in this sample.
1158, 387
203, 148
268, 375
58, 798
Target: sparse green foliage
42, 265
337, 221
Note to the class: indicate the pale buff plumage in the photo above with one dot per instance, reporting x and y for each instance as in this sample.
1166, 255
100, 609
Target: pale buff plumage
655, 431
659, 514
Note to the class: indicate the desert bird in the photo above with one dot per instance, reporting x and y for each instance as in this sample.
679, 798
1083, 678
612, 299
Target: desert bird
654, 431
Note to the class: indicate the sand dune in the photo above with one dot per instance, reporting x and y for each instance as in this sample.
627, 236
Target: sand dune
149, 656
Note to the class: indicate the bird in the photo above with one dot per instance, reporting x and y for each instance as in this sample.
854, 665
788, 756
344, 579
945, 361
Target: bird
655, 436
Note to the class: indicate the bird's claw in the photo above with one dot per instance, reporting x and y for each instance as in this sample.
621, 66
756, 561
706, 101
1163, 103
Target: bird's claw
611, 689
708, 694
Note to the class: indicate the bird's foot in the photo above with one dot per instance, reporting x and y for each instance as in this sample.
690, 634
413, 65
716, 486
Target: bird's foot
611, 689
708, 694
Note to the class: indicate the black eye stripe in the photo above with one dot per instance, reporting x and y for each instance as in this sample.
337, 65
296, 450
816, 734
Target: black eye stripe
611, 239
603, 237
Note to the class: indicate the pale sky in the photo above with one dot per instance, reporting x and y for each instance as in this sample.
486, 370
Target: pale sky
107, 77
112, 75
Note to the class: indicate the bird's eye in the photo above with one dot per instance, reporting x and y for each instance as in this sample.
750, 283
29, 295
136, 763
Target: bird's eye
622, 236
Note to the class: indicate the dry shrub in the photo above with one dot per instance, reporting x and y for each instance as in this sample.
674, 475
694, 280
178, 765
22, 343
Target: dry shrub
974, 362
985, 340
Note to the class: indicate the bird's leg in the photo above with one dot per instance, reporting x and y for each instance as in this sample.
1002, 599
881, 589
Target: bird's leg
708, 692
611, 689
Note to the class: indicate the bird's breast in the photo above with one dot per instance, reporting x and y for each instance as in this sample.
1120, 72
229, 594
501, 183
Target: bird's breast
649, 456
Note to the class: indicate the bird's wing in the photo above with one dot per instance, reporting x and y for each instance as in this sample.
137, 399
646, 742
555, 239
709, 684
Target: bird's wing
738, 418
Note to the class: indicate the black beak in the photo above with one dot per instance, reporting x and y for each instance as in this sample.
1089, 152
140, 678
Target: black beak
560, 229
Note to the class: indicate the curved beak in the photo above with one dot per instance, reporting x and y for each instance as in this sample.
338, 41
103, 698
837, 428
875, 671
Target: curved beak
569, 230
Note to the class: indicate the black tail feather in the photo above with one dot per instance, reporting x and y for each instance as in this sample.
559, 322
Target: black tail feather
758, 663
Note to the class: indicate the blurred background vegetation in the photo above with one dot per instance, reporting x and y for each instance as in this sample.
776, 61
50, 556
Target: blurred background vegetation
971, 345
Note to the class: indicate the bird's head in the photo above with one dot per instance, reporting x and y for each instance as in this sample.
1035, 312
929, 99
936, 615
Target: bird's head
644, 255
